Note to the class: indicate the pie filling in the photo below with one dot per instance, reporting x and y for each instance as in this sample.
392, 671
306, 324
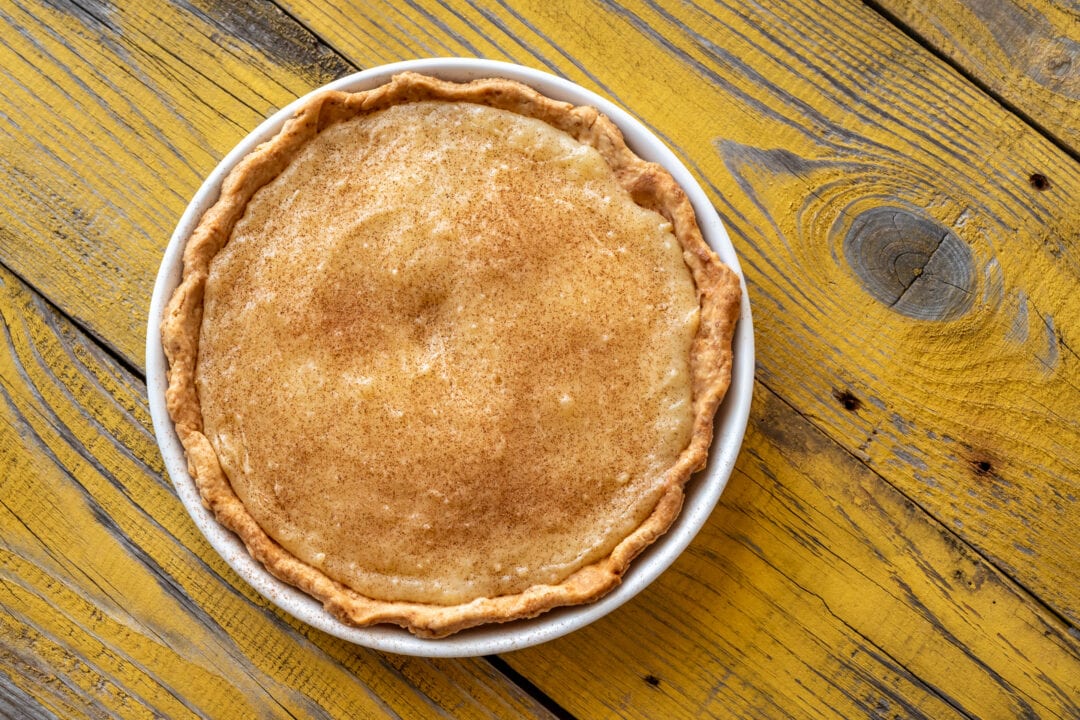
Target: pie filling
444, 355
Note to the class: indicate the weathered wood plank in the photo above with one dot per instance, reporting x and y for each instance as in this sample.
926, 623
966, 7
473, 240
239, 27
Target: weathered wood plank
111, 602
817, 590
1027, 53
800, 117
97, 163
804, 120
880, 610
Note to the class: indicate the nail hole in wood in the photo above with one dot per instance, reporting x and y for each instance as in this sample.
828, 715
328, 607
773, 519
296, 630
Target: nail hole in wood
1039, 181
847, 399
652, 680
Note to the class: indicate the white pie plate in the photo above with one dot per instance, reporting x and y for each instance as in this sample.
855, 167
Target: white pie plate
703, 490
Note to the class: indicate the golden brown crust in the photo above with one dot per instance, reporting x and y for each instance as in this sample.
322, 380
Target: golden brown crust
650, 185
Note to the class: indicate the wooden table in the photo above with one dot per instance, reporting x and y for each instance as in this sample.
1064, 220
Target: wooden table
901, 180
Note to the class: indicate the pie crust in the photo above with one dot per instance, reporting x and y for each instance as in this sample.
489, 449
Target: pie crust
222, 475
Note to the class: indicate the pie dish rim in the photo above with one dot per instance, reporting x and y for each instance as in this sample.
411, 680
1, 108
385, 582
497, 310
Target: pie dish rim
702, 491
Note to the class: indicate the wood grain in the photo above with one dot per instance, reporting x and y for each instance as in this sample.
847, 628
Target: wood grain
970, 412
799, 118
818, 590
112, 603
906, 459
911, 264
96, 162
1027, 53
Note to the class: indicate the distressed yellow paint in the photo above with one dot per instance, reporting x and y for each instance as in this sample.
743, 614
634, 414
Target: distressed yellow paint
108, 584
1025, 52
817, 585
748, 96
799, 116
817, 590
108, 131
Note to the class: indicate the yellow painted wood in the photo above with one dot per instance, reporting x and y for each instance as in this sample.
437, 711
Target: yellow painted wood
817, 590
820, 589
799, 117
111, 602
112, 117
898, 471
1028, 53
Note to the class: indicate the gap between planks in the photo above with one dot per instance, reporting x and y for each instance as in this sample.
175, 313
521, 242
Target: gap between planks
525, 685
809, 418
498, 663
106, 347
549, 703
970, 77
908, 32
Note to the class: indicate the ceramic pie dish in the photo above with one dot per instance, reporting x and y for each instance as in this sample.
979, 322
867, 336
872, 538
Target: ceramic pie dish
366, 572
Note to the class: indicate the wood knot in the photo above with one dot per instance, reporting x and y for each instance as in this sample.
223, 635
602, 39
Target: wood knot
913, 264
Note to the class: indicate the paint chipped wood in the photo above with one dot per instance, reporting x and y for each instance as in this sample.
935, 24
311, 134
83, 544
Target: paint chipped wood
112, 603
901, 519
818, 589
1027, 53
92, 194
801, 118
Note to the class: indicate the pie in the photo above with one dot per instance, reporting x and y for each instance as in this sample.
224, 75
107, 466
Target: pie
446, 354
